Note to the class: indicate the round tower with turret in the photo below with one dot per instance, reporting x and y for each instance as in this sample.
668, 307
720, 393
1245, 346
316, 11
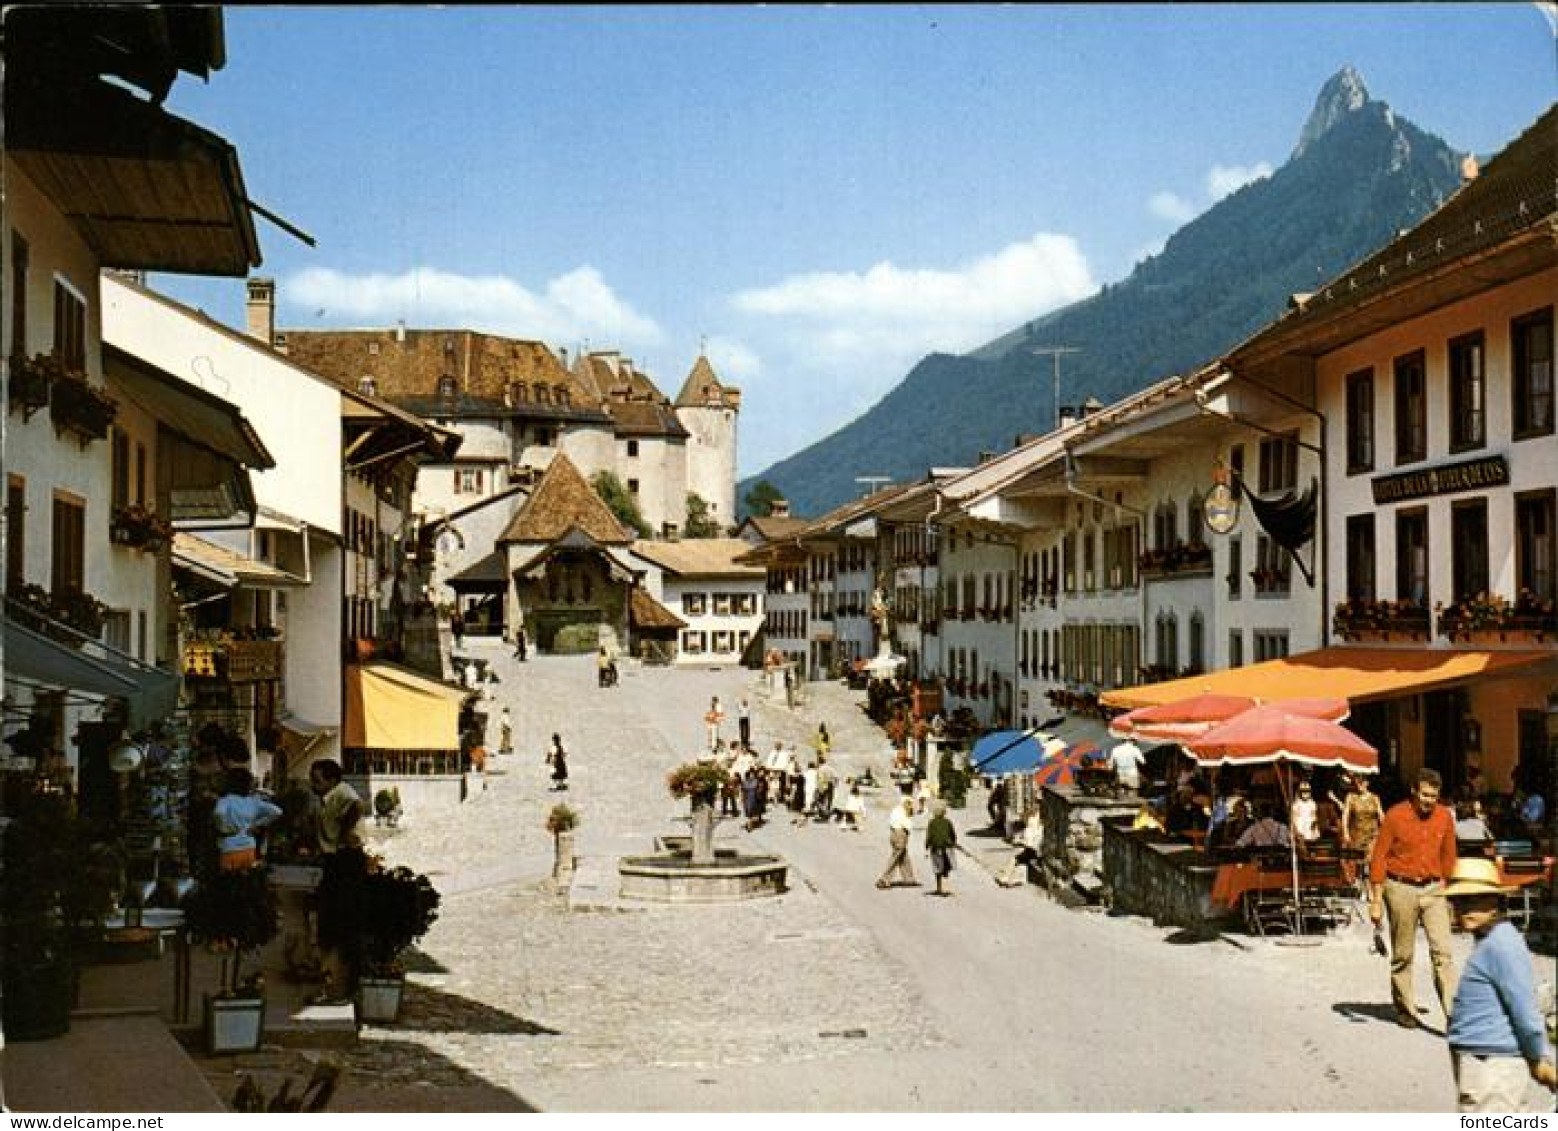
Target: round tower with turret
708, 410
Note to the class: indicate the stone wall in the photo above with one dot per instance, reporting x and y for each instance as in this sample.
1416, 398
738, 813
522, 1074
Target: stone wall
1073, 848
1145, 873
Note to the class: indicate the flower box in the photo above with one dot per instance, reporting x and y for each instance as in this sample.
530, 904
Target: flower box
1380, 620
28, 390
77, 407
1492, 617
140, 529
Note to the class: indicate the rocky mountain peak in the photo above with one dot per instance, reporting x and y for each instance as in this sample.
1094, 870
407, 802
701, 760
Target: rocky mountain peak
1342, 94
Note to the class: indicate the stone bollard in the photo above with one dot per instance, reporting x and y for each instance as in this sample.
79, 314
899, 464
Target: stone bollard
562, 860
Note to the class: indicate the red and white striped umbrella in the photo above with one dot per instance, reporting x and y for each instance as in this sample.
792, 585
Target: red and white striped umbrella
1273, 733
1188, 719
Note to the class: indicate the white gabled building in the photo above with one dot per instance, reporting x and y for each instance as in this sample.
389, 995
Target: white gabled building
720, 599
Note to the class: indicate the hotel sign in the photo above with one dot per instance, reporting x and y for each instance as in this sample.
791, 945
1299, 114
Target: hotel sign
1472, 475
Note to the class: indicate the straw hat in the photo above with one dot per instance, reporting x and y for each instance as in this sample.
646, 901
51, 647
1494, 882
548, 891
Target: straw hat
1475, 877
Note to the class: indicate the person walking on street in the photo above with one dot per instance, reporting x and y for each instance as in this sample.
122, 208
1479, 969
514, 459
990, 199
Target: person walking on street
557, 758
1413, 856
457, 627
899, 870
1362, 814
521, 644
1497, 1036
505, 731
941, 840
712, 720
744, 721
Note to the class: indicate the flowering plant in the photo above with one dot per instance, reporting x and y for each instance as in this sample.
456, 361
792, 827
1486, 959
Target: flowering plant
1492, 611
1361, 614
135, 525
561, 819
697, 780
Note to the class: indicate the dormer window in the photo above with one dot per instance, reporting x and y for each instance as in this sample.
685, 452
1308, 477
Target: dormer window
373, 349
517, 392
446, 388
562, 395
543, 395
367, 386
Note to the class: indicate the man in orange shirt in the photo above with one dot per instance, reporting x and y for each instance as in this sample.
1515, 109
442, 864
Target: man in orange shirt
1413, 857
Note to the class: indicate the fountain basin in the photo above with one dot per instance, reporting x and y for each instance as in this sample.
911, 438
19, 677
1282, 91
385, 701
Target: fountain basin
676, 879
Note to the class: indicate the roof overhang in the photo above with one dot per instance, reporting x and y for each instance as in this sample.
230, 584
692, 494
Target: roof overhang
212, 444
146, 190
1362, 674
228, 567
1332, 319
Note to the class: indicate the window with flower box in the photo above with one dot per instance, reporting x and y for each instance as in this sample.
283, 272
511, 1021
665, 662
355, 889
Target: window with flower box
1469, 548
693, 643
1360, 557
1536, 549
1412, 555
695, 604
67, 569
70, 327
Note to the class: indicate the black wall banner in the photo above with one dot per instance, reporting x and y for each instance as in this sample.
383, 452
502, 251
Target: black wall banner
1450, 479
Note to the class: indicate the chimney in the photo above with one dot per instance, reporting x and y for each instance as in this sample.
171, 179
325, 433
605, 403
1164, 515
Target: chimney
779, 509
562, 353
400, 331
1469, 168
261, 310
1068, 415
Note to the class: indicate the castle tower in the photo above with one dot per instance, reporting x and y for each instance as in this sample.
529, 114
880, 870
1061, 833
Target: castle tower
708, 410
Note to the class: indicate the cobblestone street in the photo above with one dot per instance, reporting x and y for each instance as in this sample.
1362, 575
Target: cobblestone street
833, 997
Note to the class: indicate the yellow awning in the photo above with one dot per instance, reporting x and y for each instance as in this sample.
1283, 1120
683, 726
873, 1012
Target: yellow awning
389, 707
1356, 674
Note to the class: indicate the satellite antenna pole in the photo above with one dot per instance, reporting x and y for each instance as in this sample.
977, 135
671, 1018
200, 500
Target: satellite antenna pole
1055, 352
872, 482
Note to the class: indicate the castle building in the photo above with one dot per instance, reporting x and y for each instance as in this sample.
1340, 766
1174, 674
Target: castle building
517, 405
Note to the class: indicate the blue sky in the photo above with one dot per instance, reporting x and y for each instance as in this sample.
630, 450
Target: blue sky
822, 195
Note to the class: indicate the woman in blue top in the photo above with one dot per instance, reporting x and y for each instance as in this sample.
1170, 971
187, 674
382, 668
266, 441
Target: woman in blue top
1497, 1035
238, 815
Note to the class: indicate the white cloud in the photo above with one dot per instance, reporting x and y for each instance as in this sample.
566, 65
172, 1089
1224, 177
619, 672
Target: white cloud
732, 359
1171, 206
579, 304
891, 313
1221, 180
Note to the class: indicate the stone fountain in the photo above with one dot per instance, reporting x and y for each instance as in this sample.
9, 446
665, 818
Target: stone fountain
691, 870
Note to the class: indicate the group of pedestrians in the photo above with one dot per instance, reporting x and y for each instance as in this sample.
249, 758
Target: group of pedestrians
941, 839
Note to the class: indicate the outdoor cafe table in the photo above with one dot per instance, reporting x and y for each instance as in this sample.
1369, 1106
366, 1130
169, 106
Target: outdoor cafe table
1237, 877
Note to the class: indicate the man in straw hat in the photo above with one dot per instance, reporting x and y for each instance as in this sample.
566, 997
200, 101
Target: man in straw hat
1497, 1034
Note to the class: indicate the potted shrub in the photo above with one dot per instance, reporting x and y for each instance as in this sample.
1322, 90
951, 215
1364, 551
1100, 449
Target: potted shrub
398, 906
48, 896
561, 822
233, 913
